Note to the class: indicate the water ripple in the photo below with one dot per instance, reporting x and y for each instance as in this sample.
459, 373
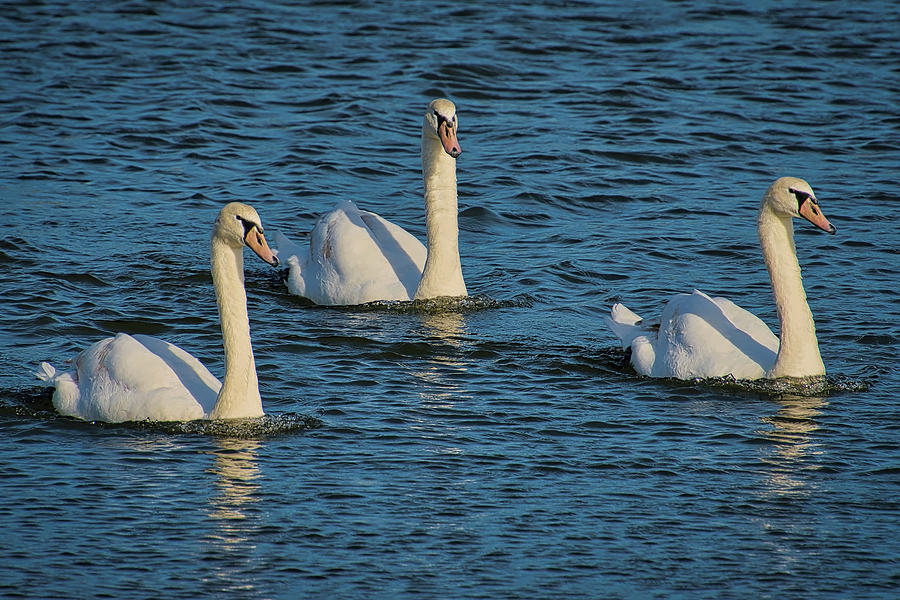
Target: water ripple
608, 156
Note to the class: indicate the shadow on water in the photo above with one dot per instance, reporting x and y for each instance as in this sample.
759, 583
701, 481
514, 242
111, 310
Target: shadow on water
37, 403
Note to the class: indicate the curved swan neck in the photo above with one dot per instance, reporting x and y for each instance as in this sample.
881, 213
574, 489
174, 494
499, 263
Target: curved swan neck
442, 275
798, 352
239, 396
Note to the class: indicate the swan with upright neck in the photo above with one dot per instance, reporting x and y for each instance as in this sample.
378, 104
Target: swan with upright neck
699, 336
356, 256
140, 377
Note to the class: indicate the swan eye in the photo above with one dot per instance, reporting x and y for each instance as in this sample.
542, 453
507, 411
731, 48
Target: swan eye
248, 225
802, 196
442, 119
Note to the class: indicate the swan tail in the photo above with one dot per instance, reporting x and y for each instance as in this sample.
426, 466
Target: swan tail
67, 395
625, 324
47, 373
285, 248
624, 315
289, 254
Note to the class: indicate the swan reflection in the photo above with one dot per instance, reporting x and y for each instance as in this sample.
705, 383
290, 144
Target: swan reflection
446, 327
439, 376
793, 444
237, 471
237, 490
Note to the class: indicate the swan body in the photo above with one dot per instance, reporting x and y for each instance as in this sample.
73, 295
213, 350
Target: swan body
698, 336
140, 377
356, 256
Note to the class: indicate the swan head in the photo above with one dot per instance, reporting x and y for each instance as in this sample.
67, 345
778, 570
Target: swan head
239, 225
441, 123
793, 197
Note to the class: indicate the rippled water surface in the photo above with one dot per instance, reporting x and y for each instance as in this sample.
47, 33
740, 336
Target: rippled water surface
497, 449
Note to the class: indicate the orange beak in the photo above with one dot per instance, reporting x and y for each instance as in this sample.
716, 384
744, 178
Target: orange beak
256, 241
447, 133
809, 210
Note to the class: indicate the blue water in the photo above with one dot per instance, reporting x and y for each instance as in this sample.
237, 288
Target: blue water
612, 152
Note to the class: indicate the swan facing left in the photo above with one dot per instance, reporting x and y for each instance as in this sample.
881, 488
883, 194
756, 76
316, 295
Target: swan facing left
137, 378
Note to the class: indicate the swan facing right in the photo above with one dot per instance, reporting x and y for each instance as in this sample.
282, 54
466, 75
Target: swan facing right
356, 256
700, 337
140, 377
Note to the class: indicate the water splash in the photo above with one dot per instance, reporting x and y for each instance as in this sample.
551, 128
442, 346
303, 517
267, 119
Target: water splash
442, 304
792, 386
37, 403
265, 426
782, 387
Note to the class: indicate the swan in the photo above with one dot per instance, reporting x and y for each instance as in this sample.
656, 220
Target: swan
699, 336
139, 377
356, 256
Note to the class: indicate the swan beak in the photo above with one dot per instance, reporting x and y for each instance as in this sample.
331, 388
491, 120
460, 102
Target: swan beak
256, 241
447, 133
809, 210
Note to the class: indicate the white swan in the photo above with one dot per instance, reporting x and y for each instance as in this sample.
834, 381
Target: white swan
701, 337
134, 378
355, 256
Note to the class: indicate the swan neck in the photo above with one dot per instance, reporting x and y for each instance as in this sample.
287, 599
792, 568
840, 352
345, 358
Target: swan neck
442, 274
239, 396
798, 352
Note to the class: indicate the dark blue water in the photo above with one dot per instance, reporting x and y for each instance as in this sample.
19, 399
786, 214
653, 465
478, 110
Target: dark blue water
612, 151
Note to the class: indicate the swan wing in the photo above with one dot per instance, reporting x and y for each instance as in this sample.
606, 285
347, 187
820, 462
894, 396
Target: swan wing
703, 337
287, 248
749, 324
405, 252
125, 378
356, 257
188, 371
